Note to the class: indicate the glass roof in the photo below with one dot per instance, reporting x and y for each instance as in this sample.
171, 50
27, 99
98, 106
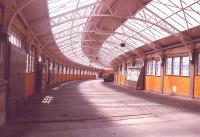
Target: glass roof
68, 20
158, 19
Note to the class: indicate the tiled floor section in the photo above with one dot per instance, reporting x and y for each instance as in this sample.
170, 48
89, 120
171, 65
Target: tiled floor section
98, 109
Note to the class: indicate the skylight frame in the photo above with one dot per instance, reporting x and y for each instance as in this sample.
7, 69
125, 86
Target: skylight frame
67, 18
140, 23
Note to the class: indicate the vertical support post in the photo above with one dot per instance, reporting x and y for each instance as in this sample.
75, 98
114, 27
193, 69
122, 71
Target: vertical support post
5, 46
144, 73
69, 73
80, 77
72, 73
192, 73
163, 67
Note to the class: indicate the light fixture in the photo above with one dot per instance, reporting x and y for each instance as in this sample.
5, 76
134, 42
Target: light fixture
122, 44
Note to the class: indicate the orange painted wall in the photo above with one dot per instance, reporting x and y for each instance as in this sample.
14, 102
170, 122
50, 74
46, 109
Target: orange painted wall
81, 77
78, 76
72, 77
56, 78
153, 83
63, 77
122, 80
182, 84
115, 78
93, 76
59, 78
29, 84
197, 86
67, 77
119, 79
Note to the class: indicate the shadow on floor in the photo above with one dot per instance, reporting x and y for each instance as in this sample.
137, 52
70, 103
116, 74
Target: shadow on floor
96, 108
184, 103
69, 105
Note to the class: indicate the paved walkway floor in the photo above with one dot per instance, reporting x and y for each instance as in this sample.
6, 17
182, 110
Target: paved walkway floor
98, 109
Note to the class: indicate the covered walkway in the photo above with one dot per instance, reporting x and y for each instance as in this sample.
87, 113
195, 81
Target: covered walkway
94, 108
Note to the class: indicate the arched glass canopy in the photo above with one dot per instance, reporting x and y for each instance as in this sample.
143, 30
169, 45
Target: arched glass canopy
157, 20
68, 20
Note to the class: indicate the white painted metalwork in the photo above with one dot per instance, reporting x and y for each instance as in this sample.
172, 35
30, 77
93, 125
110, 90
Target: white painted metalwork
68, 17
157, 20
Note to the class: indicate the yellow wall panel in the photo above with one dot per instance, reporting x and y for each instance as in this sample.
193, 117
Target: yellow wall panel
29, 84
153, 83
197, 86
180, 84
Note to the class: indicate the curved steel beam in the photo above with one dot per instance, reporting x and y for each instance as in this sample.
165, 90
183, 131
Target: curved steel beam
17, 10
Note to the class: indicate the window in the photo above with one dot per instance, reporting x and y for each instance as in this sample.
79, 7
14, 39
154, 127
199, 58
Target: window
30, 62
71, 71
56, 69
169, 66
199, 65
15, 39
148, 68
68, 70
51, 66
176, 66
133, 72
78, 71
40, 58
153, 68
27, 63
185, 63
158, 64
74, 71
60, 69
123, 69
64, 70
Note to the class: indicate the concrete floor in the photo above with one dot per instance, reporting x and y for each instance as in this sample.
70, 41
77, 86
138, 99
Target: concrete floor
97, 109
